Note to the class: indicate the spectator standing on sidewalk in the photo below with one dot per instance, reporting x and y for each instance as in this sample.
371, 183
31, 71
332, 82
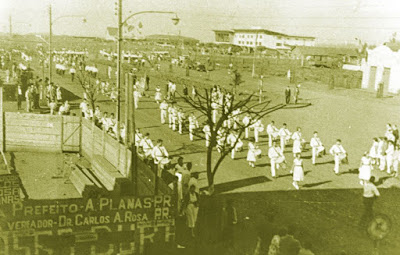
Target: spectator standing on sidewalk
19, 97
370, 194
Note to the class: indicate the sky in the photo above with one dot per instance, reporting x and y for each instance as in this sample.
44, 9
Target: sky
330, 21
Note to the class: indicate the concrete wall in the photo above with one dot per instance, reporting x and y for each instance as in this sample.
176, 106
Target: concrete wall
382, 57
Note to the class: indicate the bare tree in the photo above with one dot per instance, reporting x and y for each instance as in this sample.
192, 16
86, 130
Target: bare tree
90, 87
232, 108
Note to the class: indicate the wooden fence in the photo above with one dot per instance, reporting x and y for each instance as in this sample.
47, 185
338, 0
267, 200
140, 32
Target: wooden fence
40, 132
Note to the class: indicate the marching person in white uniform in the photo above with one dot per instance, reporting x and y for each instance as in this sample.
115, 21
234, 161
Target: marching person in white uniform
373, 151
235, 142
258, 128
316, 146
171, 113
147, 145
193, 124
284, 135
396, 159
158, 95
297, 142
160, 156
272, 132
181, 120
389, 157
247, 123
339, 154
253, 152
276, 158
163, 111
297, 171
365, 169
207, 133
382, 146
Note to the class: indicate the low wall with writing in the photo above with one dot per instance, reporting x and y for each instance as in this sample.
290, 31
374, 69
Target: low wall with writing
32, 132
127, 225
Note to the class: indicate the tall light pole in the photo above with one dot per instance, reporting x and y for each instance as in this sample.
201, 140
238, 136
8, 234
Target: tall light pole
253, 73
133, 167
50, 41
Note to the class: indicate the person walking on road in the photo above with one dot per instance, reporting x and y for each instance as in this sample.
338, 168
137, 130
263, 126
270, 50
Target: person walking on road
297, 170
287, 95
316, 146
370, 194
339, 154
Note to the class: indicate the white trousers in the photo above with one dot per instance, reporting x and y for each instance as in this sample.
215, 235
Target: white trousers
246, 133
382, 163
389, 162
315, 152
163, 116
256, 134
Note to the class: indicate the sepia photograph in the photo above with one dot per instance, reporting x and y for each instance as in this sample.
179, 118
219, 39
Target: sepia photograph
199, 127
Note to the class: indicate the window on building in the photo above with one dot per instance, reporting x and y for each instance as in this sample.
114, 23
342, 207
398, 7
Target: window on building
278, 37
251, 43
260, 36
278, 44
259, 43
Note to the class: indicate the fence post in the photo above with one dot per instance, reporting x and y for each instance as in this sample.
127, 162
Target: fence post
2, 133
62, 132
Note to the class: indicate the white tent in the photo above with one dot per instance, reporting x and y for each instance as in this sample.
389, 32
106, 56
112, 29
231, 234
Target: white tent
383, 65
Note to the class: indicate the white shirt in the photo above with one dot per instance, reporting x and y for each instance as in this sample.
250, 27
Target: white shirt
337, 149
315, 142
284, 132
370, 190
274, 152
271, 129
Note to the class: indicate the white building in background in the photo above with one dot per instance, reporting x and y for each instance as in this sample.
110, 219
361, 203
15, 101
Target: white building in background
262, 37
383, 65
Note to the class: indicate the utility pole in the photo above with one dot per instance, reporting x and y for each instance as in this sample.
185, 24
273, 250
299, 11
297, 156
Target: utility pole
253, 73
10, 21
119, 40
50, 50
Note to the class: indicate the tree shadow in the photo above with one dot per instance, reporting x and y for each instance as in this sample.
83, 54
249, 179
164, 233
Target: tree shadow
228, 186
315, 184
68, 95
306, 157
264, 165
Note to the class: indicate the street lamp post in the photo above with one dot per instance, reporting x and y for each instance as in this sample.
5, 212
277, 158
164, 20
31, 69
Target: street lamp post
133, 167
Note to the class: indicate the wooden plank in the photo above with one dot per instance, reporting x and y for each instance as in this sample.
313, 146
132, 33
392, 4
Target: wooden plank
33, 137
33, 117
31, 123
32, 130
32, 148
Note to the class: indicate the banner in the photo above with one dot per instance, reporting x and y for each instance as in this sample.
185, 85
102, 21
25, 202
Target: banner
86, 226
9, 189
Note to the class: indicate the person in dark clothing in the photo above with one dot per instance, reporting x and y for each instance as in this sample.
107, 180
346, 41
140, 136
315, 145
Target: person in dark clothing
395, 133
147, 82
228, 222
185, 91
287, 95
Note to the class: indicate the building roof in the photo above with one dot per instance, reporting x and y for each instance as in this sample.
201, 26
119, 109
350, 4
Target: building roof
325, 51
258, 30
224, 31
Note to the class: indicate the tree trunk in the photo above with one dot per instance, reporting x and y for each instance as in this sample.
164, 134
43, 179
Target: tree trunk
210, 176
